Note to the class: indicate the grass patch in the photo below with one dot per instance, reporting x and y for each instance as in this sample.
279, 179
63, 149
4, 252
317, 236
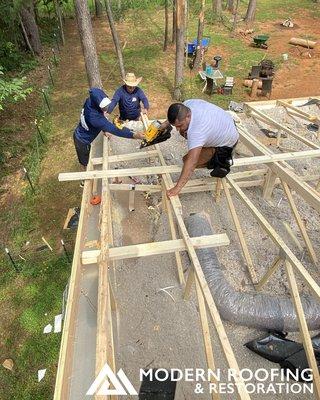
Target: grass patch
29, 300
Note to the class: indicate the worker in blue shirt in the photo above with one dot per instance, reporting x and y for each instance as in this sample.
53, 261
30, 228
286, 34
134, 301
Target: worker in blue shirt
129, 97
92, 121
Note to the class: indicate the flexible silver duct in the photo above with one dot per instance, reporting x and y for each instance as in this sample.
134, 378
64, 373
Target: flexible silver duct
257, 310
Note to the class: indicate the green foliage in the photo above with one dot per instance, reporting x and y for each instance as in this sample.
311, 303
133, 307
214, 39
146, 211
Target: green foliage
12, 90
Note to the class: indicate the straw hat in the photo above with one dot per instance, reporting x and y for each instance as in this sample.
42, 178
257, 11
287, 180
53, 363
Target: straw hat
131, 80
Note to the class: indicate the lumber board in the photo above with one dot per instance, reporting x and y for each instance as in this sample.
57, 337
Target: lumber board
155, 248
206, 336
300, 222
305, 335
266, 277
268, 104
273, 122
242, 240
224, 341
308, 193
104, 338
277, 239
308, 116
126, 157
166, 169
65, 354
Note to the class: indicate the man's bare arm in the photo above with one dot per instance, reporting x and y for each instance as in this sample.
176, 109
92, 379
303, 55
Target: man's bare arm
189, 166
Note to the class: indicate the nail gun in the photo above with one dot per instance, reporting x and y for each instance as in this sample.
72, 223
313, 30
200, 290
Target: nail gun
156, 134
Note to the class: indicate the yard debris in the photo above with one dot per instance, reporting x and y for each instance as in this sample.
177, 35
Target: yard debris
47, 328
136, 180
72, 219
46, 243
236, 107
165, 290
313, 127
287, 23
57, 323
41, 374
8, 364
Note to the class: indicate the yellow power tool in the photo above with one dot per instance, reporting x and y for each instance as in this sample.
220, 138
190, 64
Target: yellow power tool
155, 134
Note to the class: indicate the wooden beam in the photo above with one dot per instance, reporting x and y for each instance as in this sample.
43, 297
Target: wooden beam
225, 344
224, 341
300, 222
308, 193
277, 240
113, 173
243, 243
301, 113
174, 237
305, 335
126, 157
155, 248
65, 355
206, 337
274, 267
269, 185
273, 122
104, 339
264, 159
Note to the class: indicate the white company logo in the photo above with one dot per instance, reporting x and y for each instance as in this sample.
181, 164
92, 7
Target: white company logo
106, 377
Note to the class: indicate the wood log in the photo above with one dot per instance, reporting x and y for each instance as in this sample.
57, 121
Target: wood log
303, 42
248, 83
254, 87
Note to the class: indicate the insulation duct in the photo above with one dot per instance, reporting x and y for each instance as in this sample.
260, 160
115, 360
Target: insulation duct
257, 310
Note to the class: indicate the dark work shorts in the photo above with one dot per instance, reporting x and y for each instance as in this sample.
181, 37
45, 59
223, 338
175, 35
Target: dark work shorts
83, 151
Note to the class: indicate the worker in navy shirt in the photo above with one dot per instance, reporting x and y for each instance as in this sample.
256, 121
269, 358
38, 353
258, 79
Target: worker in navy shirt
92, 121
129, 98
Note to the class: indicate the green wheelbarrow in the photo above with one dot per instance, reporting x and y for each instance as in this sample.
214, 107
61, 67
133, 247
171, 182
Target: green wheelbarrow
260, 41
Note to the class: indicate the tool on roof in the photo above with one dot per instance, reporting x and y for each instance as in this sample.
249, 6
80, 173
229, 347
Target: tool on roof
117, 122
156, 134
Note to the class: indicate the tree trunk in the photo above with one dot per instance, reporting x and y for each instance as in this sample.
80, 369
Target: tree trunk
98, 7
230, 6
235, 19
166, 25
178, 79
115, 38
31, 28
251, 11
174, 21
217, 7
88, 43
199, 50
59, 17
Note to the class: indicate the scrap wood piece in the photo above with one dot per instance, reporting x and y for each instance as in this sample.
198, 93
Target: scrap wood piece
8, 364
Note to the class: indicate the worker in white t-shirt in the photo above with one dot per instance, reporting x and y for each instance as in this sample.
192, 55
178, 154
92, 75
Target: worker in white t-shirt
211, 135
